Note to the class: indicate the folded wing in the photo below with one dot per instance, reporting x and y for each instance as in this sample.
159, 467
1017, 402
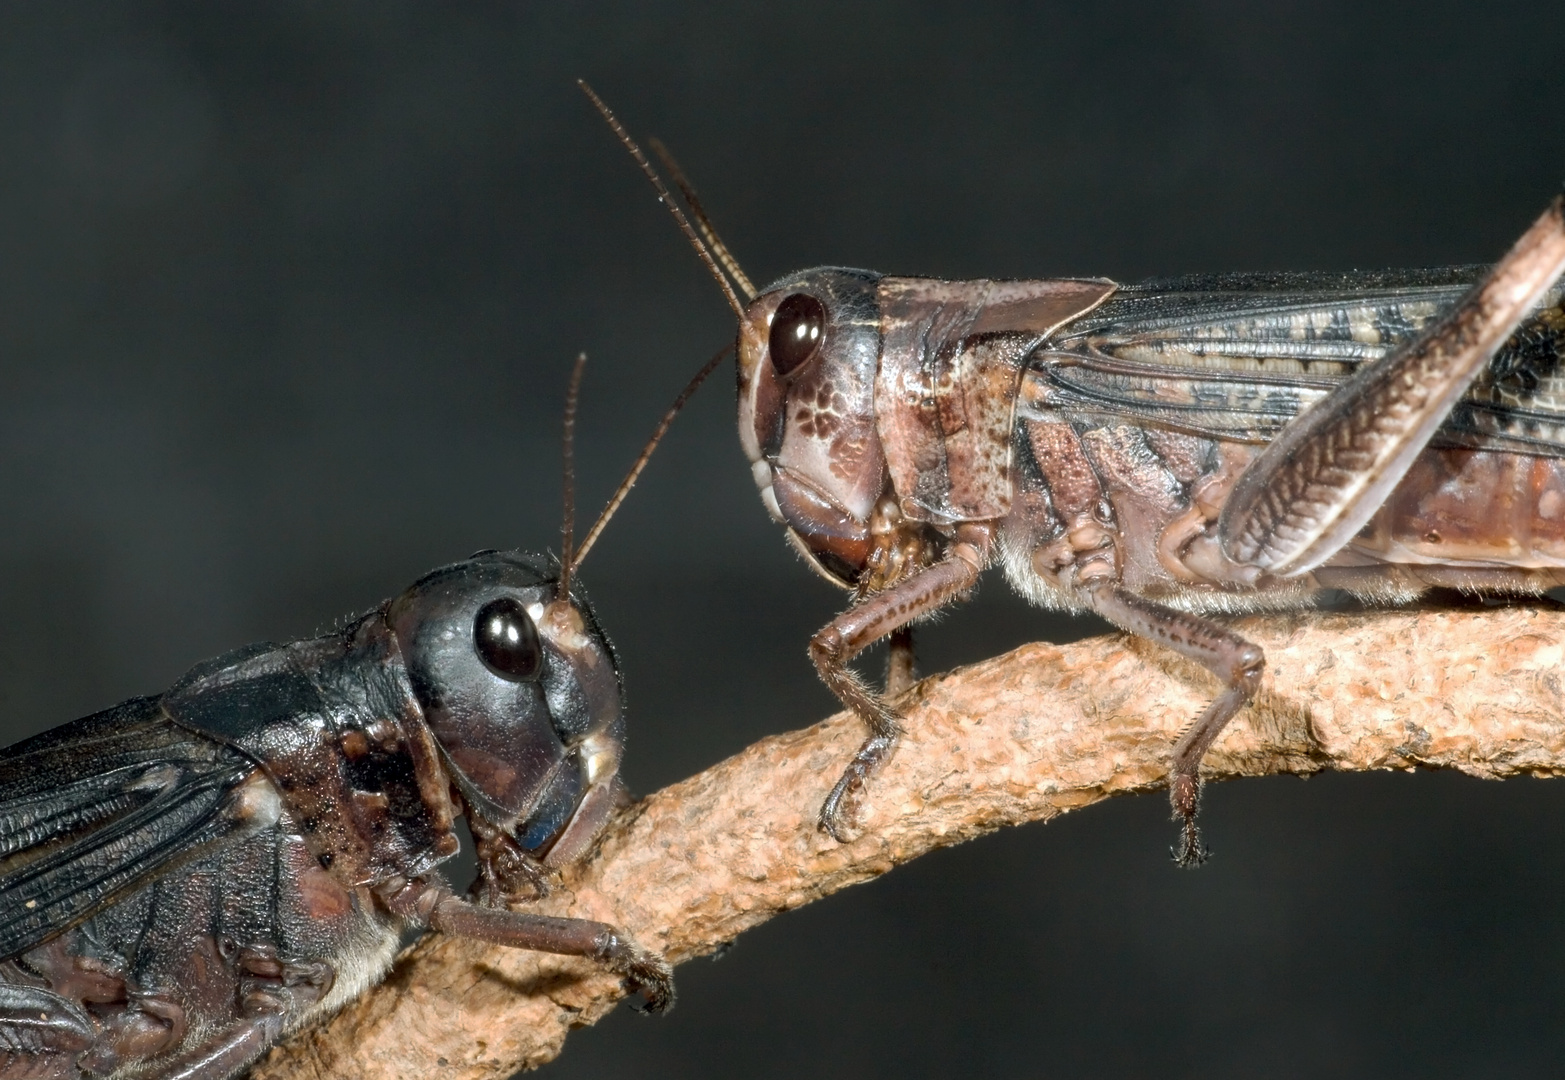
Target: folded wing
97, 808
1238, 356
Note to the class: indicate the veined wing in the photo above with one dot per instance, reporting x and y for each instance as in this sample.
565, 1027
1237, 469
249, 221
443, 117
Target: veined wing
99, 807
1238, 356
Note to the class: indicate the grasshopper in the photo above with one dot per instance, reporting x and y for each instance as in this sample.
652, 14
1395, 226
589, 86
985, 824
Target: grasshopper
188, 876
1154, 453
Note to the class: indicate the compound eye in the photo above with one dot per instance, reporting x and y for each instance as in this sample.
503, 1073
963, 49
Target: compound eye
796, 333
507, 641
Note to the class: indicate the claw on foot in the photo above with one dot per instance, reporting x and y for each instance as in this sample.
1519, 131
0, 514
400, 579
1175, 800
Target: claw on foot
839, 813
646, 972
651, 975
1184, 793
1189, 852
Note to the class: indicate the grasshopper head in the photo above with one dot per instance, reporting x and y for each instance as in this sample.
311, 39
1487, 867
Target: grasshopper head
809, 347
521, 692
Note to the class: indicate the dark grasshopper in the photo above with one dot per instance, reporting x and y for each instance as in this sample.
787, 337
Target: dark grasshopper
1152, 452
188, 876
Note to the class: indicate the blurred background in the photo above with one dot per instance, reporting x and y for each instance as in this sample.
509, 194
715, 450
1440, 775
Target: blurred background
288, 298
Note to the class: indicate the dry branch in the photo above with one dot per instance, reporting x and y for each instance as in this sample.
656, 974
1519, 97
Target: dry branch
1024, 737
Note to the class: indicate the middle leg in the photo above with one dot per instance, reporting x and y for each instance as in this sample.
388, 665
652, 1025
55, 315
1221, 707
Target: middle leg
1237, 662
901, 662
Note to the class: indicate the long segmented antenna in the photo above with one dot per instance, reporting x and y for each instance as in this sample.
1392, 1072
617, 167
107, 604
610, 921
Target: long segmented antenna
704, 223
664, 197
646, 455
568, 527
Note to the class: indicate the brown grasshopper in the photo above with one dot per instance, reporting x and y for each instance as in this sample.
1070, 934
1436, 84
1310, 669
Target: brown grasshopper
1153, 453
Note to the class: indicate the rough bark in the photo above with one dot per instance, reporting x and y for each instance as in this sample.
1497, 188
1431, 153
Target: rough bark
1024, 737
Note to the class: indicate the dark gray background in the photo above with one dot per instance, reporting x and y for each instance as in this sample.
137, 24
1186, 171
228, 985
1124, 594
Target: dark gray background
288, 294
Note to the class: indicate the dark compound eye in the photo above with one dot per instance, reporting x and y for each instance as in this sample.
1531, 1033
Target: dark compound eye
796, 332
507, 640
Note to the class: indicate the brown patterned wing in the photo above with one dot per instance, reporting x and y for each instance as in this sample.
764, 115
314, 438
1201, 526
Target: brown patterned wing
1237, 357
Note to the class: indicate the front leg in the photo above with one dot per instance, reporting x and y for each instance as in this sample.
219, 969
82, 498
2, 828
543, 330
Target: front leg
855, 630
436, 906
645, 971
1227, 655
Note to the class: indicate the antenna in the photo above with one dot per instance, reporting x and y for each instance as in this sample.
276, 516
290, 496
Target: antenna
646, 455
664, 197
568, 526
708, 233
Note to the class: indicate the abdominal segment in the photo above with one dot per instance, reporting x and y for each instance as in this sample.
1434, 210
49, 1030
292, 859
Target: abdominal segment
1141, 504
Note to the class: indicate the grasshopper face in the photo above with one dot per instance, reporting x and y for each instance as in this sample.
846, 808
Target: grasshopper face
809, 348
522, 695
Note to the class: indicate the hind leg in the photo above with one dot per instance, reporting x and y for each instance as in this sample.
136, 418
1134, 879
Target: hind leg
41, 1034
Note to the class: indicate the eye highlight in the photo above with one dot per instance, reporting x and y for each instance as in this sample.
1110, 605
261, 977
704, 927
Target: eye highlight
797, 328
507, 641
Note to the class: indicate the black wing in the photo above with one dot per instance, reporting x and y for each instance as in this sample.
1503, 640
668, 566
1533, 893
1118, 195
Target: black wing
1238, 356
97, 808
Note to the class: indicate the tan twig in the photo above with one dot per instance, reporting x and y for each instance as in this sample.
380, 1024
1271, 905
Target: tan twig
1027, 736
